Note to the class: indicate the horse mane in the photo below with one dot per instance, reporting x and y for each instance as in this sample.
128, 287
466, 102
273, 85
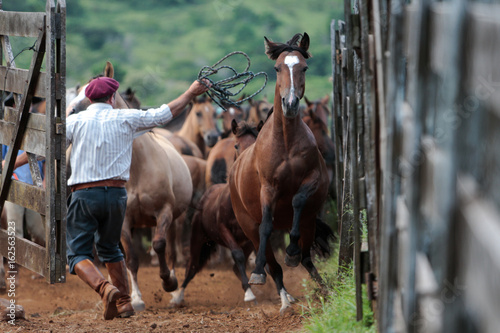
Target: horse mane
273, 50
245, 128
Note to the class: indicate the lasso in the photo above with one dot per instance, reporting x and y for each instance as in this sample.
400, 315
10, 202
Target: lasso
219, 91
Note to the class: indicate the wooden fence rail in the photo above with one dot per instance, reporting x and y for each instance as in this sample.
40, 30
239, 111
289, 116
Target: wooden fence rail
37, 134
417, 116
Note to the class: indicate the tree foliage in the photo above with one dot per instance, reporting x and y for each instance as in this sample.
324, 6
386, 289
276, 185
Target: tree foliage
166, 42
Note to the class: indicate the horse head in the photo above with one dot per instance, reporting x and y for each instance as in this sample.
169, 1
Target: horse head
129, 97
231, 113
320, 131
319, 108
244, 134
290, 69
258, 110
205, 116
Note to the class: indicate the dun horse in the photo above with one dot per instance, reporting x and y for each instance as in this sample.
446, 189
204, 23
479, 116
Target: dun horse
200, 125
281, 182
158, 191
214, 224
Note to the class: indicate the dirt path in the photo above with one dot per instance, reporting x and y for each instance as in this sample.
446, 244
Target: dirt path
214, 303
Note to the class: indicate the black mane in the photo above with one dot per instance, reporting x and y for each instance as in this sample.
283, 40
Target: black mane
273, 50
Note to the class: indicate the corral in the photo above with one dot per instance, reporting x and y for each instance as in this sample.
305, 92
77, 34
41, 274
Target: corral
415, 121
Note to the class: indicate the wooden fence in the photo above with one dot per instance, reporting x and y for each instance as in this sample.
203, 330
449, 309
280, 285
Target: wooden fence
417, 126
37, 134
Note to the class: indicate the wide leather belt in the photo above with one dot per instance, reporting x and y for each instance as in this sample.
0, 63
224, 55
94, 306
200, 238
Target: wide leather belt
100, 183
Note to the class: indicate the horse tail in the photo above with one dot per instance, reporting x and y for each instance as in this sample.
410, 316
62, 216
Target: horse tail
218, 172
323, 237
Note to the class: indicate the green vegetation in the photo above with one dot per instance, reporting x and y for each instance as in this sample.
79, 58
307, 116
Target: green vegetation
336, 312
159, 46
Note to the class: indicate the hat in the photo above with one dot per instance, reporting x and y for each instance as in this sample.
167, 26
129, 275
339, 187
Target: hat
101, 87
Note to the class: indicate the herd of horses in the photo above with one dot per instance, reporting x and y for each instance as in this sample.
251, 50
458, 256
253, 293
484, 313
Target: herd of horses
269, 169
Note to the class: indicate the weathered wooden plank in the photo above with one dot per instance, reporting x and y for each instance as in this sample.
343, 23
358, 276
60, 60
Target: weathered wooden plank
15, 80
483, 51
55, 159
27, 253
33, 141
20, 127
35, 121
441, 25
27, 195
480, 248
21, 24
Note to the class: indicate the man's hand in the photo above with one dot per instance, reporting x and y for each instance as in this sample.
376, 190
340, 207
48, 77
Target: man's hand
197, 88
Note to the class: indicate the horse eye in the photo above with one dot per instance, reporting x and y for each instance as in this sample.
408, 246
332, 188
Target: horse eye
236, 147
305, 68
199, 114
277, 69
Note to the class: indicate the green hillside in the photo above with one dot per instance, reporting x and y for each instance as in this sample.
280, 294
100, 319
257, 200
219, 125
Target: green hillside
158, 47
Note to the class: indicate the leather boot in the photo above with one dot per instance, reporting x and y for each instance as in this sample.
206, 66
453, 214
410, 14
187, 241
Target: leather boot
86, 271
118, 274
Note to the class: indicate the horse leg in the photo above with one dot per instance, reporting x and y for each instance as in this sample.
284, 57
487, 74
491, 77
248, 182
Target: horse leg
258, 275
164, 220
277, 274
132, 261
293, 252
198, 257
307, 262
240, 259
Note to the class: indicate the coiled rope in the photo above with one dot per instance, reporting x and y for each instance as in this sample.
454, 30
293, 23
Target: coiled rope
220, 91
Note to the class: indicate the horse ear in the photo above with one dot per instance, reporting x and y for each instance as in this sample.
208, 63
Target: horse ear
304, 42
325, 99
109, 71
234, 126
308, 102
260, 125
269, 47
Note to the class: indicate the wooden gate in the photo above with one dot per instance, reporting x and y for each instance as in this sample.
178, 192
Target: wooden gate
37, 134
417, 101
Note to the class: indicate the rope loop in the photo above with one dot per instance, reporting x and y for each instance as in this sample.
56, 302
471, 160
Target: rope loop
219, 91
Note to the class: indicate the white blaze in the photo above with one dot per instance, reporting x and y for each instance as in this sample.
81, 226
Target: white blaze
291, 61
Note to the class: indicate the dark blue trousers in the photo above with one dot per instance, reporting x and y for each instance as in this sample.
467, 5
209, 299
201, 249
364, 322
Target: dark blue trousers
95, 215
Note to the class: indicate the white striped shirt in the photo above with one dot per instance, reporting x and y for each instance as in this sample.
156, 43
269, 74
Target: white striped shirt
102, 140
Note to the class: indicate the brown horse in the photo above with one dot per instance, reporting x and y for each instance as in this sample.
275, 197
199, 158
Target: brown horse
319, 108
231, 112
315, 117
281, 182
258, 111
222, 157
214, 223
200, 125
158, 191
129, 97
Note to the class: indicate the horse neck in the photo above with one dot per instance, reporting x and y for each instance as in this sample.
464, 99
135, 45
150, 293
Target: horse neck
283, 127
191, 131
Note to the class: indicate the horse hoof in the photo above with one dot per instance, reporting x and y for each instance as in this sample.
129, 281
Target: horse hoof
257, 279
292, 261
249, 296
170, 286
139, 306
286, 310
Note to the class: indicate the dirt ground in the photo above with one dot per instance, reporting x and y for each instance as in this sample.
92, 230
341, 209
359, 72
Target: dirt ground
214, 303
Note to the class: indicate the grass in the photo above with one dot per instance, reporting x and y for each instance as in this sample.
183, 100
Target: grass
337, 311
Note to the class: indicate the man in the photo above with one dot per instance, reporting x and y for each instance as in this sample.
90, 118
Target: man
100, 161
